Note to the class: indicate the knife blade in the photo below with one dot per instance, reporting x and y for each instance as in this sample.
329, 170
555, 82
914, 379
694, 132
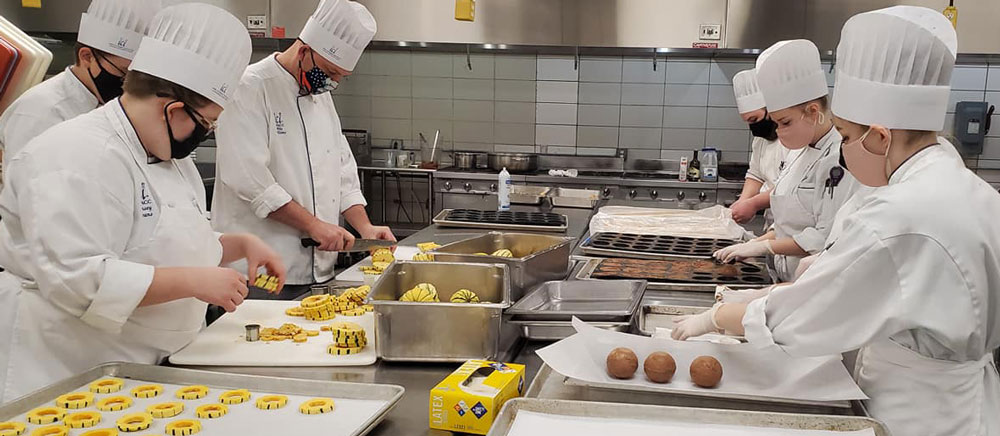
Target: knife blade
359, 244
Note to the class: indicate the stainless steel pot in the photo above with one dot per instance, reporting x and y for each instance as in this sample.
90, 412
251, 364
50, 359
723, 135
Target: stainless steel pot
464, 160
514, 162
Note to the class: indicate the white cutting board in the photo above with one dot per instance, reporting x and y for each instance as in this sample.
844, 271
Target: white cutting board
354, 274
224, 342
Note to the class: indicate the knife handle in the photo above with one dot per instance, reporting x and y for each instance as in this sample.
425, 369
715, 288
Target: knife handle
309, 242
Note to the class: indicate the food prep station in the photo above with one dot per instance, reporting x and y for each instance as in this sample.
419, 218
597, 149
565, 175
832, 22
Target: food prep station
528, 314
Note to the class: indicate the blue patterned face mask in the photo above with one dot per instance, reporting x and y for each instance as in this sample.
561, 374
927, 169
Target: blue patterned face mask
315, 81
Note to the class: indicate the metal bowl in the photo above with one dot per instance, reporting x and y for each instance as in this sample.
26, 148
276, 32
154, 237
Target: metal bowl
514, 162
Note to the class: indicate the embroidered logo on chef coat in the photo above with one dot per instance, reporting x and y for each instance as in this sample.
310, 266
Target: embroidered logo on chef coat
146, 205
279, 123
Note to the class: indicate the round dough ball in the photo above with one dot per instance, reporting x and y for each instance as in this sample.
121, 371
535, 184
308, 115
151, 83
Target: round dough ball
706, 371
622, 363
659, 367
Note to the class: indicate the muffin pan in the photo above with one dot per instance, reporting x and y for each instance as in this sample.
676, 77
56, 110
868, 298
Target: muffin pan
681, 271
652, 246
501, 219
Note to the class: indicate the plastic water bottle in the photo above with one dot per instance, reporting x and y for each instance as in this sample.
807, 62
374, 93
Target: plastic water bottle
709, 158
503, 190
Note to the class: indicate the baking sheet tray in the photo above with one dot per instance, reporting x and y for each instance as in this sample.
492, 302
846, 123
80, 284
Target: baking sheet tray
749, 372
636, 246
589, 300
552, 225
578, 198
224, 342
359, 406
524, 416
708, 285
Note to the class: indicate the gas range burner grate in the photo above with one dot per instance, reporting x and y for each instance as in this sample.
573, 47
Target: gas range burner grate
657, 245
507, 217
681, 271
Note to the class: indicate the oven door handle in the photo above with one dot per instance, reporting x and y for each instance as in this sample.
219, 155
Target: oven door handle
463, 192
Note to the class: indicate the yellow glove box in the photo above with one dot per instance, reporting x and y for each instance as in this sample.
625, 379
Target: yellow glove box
470, 398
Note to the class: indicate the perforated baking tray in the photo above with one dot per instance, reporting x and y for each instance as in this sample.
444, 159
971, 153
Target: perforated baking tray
638, 246
681, 271
505, 220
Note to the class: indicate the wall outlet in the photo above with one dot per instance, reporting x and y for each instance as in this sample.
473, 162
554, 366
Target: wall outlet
257, 22
710, 31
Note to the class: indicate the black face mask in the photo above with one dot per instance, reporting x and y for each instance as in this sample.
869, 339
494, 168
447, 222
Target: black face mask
765, 128
109, 86
181, 149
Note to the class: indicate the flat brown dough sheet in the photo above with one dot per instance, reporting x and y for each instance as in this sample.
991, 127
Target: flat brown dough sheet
679, 271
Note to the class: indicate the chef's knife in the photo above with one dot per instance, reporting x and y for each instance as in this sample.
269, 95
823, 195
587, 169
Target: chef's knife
359, 244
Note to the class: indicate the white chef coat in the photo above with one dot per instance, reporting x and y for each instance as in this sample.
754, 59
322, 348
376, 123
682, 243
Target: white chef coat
51, 102
83, 228
274, 147
915, 280
767, 161
803, 206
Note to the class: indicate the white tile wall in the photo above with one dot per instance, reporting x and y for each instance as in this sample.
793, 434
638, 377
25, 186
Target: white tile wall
389, 107
473, 110
515, 90
555, 113
473, 89
642, 116
598, 115
515, 112
555, 135
556, 68
600, 93
641, 71
639, 137
482, 66
686, 95
519, 67
433, 87
684, 117
433, 109
431, 65
557, 92
556, 105
587, 136
601, 70
648, 94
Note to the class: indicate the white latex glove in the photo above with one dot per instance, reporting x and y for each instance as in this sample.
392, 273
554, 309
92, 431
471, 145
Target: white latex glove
744, 251
687, 326
723, 294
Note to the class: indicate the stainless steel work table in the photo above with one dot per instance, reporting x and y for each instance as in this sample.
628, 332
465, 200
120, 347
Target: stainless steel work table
410, 417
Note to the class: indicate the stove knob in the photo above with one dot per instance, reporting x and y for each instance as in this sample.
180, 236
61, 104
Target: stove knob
653, 194
606, 192
680, 196
493, 187
468, 187
447, 186
632, 193
702, 196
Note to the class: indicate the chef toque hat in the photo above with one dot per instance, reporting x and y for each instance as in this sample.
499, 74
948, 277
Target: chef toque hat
894, 68
789, 73
198, 46
339, 31
117, 26
748, 95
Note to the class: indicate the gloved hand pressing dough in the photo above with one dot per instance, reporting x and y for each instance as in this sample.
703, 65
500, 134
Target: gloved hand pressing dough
689, 326
744, 251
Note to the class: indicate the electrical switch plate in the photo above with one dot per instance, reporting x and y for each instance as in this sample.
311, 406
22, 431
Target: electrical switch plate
710, 31
257, 22
465, 10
